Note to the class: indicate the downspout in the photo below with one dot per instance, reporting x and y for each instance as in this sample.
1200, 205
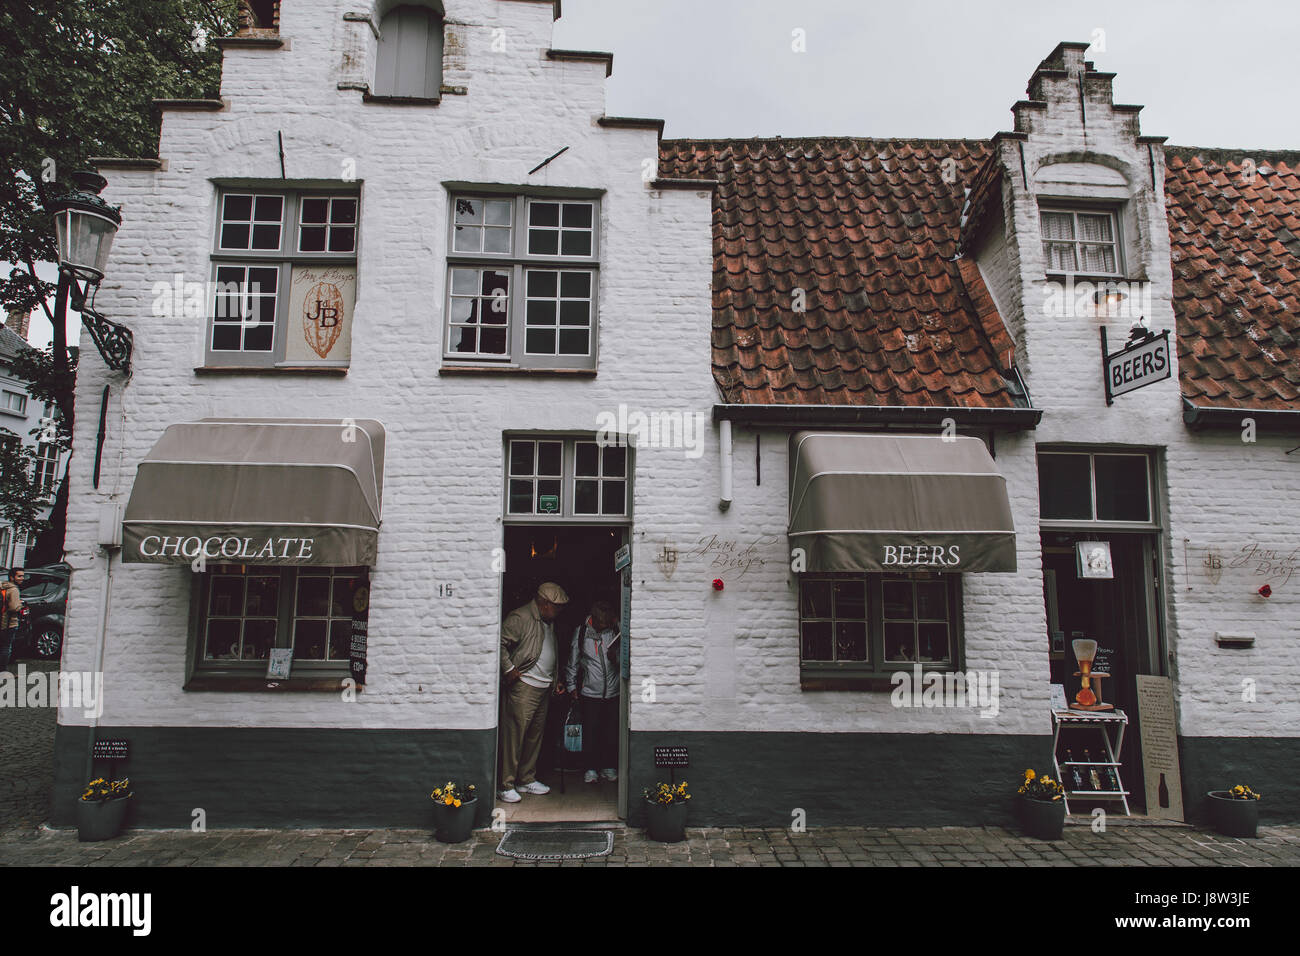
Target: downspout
110, 530
724, 452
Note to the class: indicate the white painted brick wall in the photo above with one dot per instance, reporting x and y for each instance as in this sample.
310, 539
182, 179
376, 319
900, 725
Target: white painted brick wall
433, 663
1220, 494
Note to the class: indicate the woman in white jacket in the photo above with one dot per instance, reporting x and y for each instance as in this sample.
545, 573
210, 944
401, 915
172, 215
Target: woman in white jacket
592, 672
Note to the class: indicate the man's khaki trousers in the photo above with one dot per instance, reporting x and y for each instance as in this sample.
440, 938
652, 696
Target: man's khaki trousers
523, 720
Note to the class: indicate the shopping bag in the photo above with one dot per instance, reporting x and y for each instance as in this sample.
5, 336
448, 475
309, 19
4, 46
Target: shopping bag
573, 729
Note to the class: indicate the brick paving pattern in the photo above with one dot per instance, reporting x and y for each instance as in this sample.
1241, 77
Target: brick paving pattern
1124, 845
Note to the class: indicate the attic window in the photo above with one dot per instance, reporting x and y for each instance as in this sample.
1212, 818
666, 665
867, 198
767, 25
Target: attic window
409, 60
1080, 242
258, 18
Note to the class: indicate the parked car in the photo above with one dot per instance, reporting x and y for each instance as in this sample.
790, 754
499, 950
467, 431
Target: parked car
45, 602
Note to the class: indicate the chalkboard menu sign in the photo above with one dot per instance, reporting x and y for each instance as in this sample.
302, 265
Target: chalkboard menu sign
110, 750
360, 627
671, 757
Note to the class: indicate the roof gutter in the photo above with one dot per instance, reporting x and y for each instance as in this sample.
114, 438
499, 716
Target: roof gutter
1011, 419
1272, 420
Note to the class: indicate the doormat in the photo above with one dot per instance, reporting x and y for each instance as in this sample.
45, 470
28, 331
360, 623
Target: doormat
548, 845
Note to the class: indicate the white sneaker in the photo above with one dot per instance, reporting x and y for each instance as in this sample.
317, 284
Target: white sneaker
609, 773
511, 795
536, 787
590, 777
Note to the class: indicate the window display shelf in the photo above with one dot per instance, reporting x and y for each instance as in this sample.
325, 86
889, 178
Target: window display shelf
1101, 722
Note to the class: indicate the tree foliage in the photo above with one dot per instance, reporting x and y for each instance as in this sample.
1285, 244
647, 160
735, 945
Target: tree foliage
78, 80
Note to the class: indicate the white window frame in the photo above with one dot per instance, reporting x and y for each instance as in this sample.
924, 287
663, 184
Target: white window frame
518, 263
1074, 211
7, 404
567, 479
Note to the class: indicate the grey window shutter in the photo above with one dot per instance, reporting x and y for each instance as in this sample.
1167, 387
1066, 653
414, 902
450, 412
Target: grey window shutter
410, 54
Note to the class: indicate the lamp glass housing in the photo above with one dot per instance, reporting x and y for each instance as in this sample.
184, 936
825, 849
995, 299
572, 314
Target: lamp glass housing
84, 240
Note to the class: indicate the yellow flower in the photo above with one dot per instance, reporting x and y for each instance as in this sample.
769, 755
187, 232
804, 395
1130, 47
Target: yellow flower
457, 803
1029, 775
447, 800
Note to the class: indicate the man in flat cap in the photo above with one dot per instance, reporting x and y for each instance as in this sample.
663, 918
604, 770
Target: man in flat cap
530, 670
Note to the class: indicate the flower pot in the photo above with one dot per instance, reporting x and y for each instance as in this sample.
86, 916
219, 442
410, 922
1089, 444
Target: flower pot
666, 822
100, 819
1235, 818
454, 824
1041, 819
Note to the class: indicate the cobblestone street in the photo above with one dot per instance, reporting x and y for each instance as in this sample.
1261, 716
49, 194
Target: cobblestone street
1121, 845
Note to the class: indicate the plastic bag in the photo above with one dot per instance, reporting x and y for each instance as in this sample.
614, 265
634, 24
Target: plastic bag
573, 729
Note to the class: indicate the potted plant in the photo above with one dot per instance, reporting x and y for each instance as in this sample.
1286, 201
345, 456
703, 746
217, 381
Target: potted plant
666, 812
102, 809
453, 811
1041, 807
1235, 812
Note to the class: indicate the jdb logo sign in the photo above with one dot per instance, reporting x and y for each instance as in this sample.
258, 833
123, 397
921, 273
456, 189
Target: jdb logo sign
1136, 365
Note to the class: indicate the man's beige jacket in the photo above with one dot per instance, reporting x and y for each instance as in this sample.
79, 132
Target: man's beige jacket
521, 638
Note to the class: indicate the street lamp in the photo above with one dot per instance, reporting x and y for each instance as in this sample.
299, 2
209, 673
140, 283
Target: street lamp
84, 227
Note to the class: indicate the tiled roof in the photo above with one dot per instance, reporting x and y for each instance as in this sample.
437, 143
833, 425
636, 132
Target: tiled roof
1235, 246
869, 230
11, 343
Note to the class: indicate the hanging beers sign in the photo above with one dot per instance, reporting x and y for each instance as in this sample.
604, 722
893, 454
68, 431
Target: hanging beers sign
1143, 361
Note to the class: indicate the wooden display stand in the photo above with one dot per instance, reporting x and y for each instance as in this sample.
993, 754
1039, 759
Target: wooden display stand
1101, 721
1092, 675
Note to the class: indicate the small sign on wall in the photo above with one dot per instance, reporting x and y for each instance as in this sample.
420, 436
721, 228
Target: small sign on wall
279, 663
110, 750
672, 757
1094, 559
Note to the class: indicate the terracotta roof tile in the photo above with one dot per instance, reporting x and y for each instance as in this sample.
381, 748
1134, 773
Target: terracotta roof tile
1236, 257
869, 230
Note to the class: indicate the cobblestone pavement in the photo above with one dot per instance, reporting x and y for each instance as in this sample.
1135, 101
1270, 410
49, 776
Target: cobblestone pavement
1121, 845
26, 758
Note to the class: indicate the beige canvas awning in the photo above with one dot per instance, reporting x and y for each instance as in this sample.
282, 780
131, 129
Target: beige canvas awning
876, 502
259, 491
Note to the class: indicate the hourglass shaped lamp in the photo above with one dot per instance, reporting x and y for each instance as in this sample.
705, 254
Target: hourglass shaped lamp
1084, 652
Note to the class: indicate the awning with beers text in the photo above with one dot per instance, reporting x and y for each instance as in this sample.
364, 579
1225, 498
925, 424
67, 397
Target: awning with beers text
259, 491
873, 502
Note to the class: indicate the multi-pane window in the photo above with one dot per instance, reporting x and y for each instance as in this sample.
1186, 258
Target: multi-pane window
1094, 486
833, 619
599, 479
572, 478
47, 467
522, 281
917, 620
284, 278
13, 401
872, 625
322, 617
1082, 242
535, 476
247, 611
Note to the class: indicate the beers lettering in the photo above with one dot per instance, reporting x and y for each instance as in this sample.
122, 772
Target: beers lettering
1139, 366
922, 555
251, 549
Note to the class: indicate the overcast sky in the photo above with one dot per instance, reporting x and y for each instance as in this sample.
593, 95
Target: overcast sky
1209, 73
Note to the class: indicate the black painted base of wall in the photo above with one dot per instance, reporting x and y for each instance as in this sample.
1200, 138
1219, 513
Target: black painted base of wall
327, 777
898, 780
290, 777
1268, 765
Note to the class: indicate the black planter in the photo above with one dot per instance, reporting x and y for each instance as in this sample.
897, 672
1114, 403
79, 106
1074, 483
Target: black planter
100, 819
454, 824
1041, 819
666, 823
1234, 818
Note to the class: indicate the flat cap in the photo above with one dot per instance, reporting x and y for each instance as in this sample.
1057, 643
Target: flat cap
550, 591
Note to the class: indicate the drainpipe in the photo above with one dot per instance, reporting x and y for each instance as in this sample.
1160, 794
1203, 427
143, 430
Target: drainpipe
110, 540
724, 449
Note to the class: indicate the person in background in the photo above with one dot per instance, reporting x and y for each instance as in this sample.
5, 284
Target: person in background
592, 665
11, 614
529, 667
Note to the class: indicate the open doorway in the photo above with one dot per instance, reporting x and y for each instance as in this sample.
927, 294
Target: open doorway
581, 560
1120, 614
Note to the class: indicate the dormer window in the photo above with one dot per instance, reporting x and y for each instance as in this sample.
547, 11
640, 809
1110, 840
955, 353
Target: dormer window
1080, 242
409, 61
